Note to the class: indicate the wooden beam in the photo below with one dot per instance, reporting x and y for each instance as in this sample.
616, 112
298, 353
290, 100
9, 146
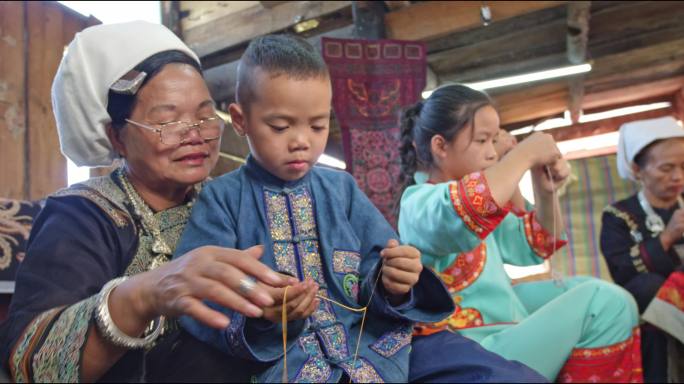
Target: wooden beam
633, 93
233, 29
369, 21
577, 37
271, 4
593, 128
221, 79
533, 103
171, 16
433, 19
397, 5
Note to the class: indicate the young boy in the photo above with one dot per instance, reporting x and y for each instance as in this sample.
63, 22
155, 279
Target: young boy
315, 225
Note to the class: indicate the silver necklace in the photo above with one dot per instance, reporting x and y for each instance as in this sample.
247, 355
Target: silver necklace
654, 222
149, 223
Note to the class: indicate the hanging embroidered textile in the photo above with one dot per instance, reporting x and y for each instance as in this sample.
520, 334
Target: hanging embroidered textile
372, 81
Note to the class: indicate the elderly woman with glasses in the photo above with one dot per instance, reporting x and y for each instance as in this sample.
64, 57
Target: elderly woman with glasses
96, 289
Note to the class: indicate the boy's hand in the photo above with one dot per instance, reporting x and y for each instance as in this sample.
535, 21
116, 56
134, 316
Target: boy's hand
401, 269
301, 301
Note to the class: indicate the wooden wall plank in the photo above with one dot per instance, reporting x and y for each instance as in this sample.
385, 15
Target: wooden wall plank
12, 101
433, 19
47, 165
242, 26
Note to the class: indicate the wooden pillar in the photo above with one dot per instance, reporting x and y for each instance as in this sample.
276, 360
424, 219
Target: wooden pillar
13, 167
369, 19
171, 16
678, 104
577, 38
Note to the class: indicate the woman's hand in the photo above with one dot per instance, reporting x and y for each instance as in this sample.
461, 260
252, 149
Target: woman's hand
301, 301
674, 230
207, 273
400, 270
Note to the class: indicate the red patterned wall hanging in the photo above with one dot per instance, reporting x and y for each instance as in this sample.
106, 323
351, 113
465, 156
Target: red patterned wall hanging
372, 81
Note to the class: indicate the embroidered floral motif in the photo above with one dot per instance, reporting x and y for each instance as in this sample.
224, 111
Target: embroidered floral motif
277, 214
391, 342
475, 205
311, 261
542, 242
315, 369
303, 213
58, 358
334, 340
364, 372
465, 269
285, 258
350, 284
20, 356
324, 314
617, 363
461, 318
346, 261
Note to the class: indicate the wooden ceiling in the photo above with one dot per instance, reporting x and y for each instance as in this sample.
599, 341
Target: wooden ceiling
636, 49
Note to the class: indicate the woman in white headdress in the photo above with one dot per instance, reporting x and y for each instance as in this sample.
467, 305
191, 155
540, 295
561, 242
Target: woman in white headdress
641, 236
96, 286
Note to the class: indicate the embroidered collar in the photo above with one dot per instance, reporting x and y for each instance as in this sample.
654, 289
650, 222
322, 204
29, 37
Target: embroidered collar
256, 171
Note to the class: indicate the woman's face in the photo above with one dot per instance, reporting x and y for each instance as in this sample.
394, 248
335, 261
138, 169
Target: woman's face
472, 149
663, 172
176, 93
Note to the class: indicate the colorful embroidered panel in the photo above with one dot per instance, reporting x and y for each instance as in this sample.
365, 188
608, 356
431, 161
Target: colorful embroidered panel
315, 369
364, 372
461, 318
20, 358
466, 268
59, 356
293, 229
346, 261
393, 341
474, 203
541, 241
618, 363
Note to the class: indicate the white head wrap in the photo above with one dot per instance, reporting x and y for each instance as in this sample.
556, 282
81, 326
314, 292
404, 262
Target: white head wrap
637, 135
96, 58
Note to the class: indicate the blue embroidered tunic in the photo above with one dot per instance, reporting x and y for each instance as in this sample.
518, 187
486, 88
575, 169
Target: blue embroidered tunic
322, 227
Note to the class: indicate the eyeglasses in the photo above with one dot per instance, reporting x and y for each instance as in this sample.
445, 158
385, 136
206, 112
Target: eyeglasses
177, 132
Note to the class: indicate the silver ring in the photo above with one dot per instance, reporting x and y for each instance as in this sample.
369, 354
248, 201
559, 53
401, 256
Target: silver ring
247, 285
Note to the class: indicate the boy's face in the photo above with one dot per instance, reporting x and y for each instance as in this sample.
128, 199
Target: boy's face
286, 123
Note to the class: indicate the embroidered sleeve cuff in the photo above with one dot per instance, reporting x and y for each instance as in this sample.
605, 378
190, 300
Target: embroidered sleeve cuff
474, 203
541, 241
53, 341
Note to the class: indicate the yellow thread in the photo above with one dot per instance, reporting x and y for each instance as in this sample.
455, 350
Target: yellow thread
364, 310
284, 322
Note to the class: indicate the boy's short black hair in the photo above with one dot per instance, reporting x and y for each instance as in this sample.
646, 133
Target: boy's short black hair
277, 55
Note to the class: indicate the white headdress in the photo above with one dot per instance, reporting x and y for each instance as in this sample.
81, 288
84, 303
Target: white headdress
96, 58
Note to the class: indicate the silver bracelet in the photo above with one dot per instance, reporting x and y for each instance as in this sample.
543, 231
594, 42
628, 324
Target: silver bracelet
111, 332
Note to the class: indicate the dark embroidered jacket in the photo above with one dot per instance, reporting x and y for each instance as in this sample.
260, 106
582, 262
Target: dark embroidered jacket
635, 257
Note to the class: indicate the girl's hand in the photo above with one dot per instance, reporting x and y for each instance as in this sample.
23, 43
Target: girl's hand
540, 149
560, 171
301, 301
401, 268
